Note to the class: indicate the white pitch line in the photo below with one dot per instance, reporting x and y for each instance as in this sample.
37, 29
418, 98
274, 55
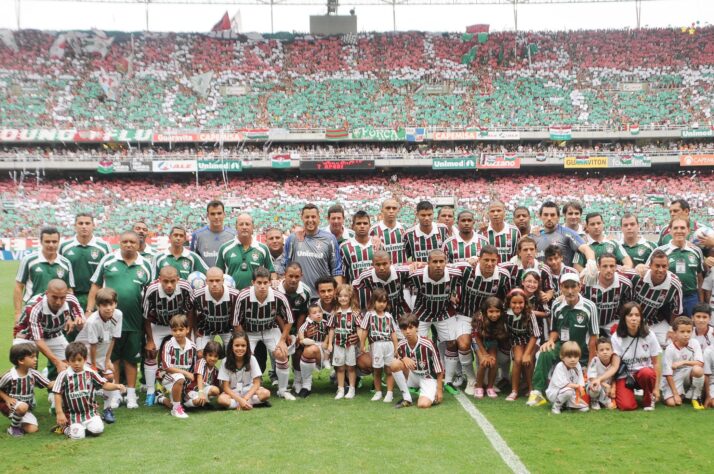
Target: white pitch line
499, 444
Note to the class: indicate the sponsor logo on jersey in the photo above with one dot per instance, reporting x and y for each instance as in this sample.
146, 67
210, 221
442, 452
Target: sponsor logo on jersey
113, 269
38, 269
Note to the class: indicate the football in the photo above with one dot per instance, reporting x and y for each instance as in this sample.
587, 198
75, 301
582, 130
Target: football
197, 280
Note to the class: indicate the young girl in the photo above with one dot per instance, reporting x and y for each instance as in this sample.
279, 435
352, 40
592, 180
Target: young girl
566, 389
523, 332
343, 325
378, 326
177, 364
205, 385
489, 332
532, 285
240, 376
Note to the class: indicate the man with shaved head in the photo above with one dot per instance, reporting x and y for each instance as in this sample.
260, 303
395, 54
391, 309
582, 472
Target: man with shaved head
391, 232
213, 309
128, 273
43, 320
163, 299
501, 234
241, 256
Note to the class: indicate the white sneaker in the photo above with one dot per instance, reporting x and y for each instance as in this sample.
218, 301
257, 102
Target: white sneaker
340, 393
350, 394
132, 403
470, 388
652, 405
595, 405
297, 387
377, 396
556, 409
388, 397
286, 396
458, 381
178, 412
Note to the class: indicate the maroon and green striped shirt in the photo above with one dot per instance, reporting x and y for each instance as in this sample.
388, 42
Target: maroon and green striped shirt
433, 298
475, 288
173, 356
77, 391
394, 286
458, 250
505, 241
254, 316
159, 307
609, 300
425, 356
379, 328
214, 317
322, 329
22, 388
392, 241
418, 245
345, 324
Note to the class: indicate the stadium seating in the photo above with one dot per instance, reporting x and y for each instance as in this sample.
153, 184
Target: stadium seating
164, 201
653, 77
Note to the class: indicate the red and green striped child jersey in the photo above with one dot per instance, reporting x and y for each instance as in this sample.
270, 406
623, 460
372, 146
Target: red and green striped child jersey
77, 391
458, 250
173, 356
344, 323
379, 328
425, 356
22, 388
392, 241
209, 375
418, 245
322, 329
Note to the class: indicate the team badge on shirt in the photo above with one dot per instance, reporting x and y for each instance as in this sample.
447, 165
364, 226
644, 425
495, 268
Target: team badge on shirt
255, 257
94, 253
640, 251
609, 248
692, 259
186, 264
140, 273
580, 318
60, 272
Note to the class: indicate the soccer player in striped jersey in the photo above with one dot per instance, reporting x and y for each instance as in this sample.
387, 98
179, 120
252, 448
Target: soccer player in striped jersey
554, 269
609, 291
464, 244
74, 392
445, 216
44, 321
163, 299
379, 328
357, 252
597, 241
418, 359
299, 297
574, 319
213, 309
659, 293
524, 260
438, 290
687, 262
501, 234
636, 246
426, 235
17, 389
177, 366
391, 232
178, 256
391, 278
265, 315
39, 267
84, 252
313, 335
242, 256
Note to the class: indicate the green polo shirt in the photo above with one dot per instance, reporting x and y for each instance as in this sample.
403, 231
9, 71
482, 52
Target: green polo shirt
686, 263
599, 248
129, 282
185, 264
84, 260
240, 263
36, 272
576, 323
640, 252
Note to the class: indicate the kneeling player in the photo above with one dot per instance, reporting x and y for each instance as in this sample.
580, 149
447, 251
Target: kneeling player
419, 359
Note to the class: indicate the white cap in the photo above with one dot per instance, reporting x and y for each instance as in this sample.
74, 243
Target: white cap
570, 277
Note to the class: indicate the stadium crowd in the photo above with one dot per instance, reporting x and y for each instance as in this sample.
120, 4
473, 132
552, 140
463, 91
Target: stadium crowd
554, 308
594, 79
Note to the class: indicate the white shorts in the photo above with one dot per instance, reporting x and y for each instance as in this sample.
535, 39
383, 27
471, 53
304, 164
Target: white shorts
169, 380
19, 340
344, 356
159, 333
201, 341
462, 326
270, 337
28, 419
382, 353
682, 380
660, 330
194, 393
57, 345
427, 387
445, 329
78, 430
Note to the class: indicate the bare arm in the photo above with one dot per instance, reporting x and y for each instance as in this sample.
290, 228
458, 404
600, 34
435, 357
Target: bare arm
17, 299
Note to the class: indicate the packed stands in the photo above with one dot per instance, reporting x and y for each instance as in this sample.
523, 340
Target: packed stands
588, 79
275, 201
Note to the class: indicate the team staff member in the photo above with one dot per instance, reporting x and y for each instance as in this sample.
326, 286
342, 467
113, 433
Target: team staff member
128, 273
178, 256
637, 247
208, 239
145, 250
243, 255
594, 226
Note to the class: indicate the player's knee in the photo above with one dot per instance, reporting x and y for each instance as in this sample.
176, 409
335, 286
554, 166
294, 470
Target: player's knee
451, 345
263, 394
670, 402
21, 408
396, 366
697, 371
464, 344
29, 428
424, 402
223, 400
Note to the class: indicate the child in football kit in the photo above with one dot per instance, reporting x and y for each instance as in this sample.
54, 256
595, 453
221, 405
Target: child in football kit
98, 334
489, 332
74, 392
604, 394
343, 324
523, 332
204, 387
566, 389
17, 389
378, 326
240, 377
683, 366
703, 332
315, 348
177, 365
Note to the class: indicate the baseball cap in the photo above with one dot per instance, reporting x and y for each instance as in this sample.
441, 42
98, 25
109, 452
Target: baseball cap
570, 277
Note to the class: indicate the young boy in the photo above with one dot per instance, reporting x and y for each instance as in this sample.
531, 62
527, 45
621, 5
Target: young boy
98, 334
74, 394
605, 392
703, 332
418, 359
565, 389
204, 387
315, 347
17, 389
177, 364
683, 366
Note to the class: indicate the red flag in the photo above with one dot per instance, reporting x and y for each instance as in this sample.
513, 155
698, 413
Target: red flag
224, 24
479, 28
